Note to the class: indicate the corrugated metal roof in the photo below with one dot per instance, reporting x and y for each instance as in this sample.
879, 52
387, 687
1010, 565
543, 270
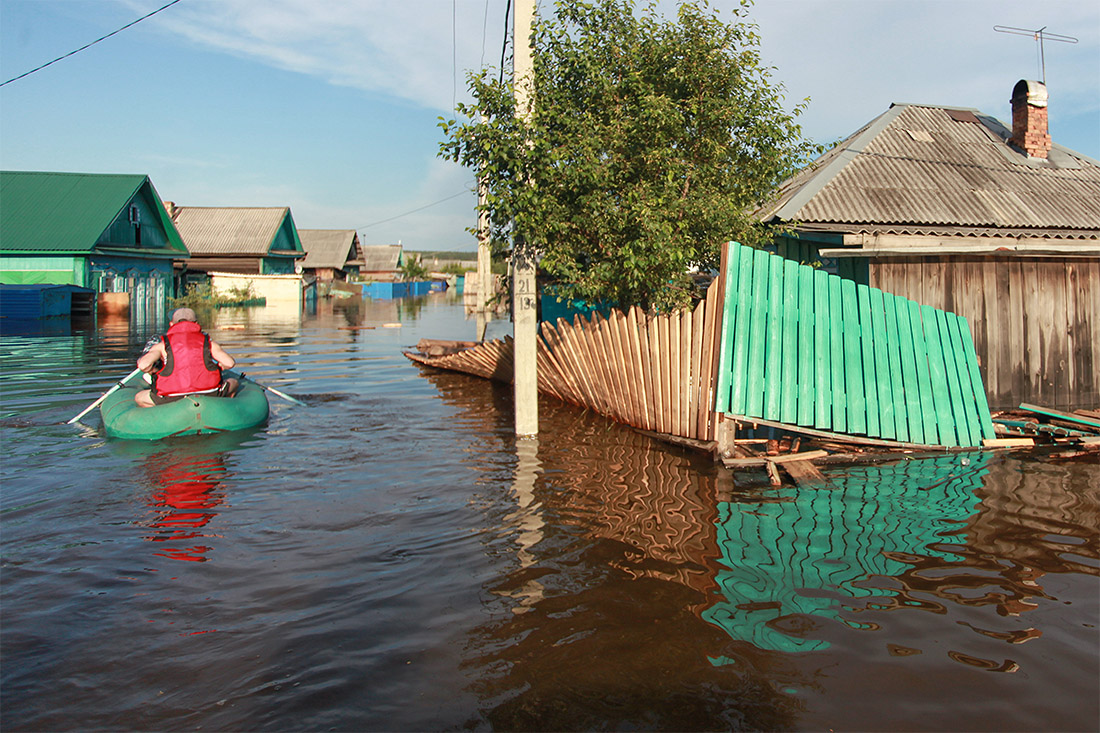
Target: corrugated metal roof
328, 247
67, 212
921, 166
381, 257
229, 230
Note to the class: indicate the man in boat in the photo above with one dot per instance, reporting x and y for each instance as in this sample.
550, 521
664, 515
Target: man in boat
191, 363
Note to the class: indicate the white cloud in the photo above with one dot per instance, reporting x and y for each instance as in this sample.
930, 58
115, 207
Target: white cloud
416, 51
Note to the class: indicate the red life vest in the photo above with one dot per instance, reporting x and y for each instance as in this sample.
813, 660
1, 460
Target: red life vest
189, 367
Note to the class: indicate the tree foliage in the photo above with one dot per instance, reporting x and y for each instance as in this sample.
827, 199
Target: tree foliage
649, 143
413, 269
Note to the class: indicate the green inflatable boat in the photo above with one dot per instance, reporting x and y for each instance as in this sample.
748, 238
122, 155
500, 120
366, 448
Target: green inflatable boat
192, 415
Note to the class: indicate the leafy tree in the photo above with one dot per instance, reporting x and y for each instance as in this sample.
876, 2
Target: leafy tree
413, 268
649, 143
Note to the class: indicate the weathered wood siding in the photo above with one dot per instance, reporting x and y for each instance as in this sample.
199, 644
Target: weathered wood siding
1035, 321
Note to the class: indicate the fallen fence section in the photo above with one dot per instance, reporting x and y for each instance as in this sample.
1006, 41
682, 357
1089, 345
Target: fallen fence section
653, 372
802, 348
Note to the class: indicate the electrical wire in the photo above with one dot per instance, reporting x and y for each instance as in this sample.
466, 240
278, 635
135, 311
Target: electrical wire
454, 54
484, 34
504, 46
89, 45
425, 206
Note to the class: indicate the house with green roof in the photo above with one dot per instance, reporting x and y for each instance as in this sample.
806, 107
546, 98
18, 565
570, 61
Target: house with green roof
108, 232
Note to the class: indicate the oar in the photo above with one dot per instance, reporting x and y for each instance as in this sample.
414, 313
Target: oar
272, 390
106, 394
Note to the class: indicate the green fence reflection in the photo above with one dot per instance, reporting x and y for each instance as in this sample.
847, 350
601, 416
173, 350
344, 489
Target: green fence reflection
796, 551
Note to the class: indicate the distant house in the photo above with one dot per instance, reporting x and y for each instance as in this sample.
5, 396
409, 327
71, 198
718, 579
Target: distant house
249, 241
107, 232
953, 209
382, 262
331, 254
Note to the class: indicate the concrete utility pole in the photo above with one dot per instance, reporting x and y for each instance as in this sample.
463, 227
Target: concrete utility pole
485, 289
524, 295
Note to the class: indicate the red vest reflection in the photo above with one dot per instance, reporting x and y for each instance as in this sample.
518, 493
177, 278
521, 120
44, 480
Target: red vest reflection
189, 489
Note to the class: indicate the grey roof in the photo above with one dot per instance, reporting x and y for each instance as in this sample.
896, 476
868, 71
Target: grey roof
922, 169
229, 230
329, 247
381, 257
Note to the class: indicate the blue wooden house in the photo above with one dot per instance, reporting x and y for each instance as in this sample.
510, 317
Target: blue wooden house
107, 232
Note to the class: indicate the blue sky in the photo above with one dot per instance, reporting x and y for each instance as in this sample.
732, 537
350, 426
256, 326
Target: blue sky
331, 106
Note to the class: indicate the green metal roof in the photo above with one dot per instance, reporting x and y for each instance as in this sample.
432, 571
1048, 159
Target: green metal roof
44, 212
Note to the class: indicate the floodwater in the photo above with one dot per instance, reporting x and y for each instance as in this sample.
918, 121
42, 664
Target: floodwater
389, 557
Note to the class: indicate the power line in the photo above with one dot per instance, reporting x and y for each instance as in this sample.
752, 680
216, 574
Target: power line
89, 45
504, 46
425, 206
484, 33
454, 54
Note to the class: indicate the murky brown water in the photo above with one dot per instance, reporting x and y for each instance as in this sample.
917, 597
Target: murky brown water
389, 558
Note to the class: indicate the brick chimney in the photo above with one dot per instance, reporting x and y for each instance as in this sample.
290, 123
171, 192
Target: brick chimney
1029, 118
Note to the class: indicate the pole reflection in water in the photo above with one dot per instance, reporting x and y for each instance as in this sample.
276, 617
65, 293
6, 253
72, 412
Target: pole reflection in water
526, 521
613, 546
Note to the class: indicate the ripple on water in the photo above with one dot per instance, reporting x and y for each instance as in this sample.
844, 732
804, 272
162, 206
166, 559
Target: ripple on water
390, 557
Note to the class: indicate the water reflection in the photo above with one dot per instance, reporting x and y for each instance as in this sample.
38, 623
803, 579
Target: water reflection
187, 490
796, 554
611, 542
527, 521
186, 479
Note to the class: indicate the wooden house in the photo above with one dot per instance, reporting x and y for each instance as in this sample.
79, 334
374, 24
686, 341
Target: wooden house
239, 240
106, 232
331, 254
954, 209
382, 262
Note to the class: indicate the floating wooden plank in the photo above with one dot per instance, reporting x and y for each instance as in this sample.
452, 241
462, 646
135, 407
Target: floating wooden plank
809, 455
1008, 442
805, 473
838, 437
1067, 416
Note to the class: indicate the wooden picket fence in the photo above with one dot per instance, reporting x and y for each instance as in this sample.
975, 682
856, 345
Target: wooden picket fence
773, 342
805, 348
654, 372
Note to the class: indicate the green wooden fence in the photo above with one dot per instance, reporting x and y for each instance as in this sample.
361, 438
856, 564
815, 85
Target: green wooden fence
802, 347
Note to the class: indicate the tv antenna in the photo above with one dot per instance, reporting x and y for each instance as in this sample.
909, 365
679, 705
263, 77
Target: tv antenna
1039, 35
